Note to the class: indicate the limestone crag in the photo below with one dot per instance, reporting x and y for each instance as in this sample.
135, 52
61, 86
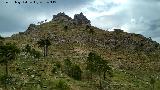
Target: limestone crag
31, 28
61, 17
80, 19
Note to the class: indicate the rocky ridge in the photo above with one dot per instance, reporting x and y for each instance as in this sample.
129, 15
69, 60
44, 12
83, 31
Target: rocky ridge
79, 19
115, 40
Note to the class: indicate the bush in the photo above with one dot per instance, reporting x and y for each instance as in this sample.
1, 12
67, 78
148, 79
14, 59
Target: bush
62, 85
72, 70
67, 66
35, 54
65, 28
56, 67
6, 80
76, 72
3, 79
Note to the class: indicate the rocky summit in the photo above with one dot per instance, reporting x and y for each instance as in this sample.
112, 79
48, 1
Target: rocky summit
61, 16
80, 19
71, 54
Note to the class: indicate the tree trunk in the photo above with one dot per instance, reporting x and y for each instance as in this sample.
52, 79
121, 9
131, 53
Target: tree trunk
91, 75
100, 81
6, 68
46, 50
153, 87
6, 77
104, 75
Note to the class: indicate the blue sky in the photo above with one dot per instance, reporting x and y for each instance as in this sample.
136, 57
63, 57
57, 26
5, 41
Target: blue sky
134, 16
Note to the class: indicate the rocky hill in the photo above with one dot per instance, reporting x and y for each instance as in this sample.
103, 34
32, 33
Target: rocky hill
133, 57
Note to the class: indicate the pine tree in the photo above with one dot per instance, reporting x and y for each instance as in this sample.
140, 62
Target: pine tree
45, 43
96, 65
8, 52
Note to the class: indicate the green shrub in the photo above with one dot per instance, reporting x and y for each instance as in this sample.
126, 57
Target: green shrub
72, 70
6, 80
56, 67
35, 54
76, 72
3, 79
67, 66
62, 85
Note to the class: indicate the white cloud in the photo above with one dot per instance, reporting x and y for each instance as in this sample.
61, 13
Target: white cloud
120, 1
135, 16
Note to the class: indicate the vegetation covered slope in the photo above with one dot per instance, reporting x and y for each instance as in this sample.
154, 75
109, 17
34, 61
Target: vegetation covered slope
134, 59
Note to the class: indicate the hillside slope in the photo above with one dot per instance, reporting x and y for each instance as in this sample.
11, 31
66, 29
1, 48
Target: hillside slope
133, 57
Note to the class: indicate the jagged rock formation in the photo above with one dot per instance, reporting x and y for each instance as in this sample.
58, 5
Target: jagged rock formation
80, 19
61, 17
31, 28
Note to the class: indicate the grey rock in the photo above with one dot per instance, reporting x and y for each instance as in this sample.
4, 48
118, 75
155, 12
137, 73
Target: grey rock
80, 19
61, 17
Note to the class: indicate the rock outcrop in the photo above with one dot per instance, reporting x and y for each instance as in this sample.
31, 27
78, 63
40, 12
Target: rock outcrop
80, 19
61, 17
31, 28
